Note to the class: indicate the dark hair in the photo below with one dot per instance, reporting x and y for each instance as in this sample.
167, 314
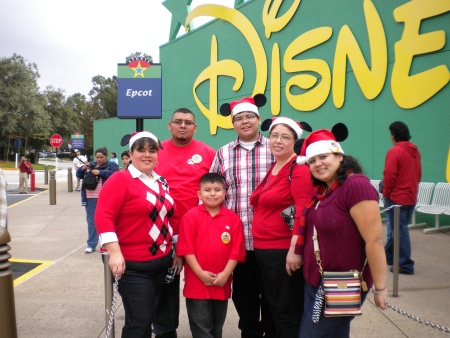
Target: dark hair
211, 178
113, 153
142, 142
348, 166
125, 153
399, 130
183, 111
102, 150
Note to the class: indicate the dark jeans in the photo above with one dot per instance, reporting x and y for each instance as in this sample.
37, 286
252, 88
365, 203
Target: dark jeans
284, 293
167, 310
206, 317
328, 327
250, 302
138, 288
406, 211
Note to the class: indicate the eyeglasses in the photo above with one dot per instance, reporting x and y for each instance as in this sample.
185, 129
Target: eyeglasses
239, 119
284, 138
180, 122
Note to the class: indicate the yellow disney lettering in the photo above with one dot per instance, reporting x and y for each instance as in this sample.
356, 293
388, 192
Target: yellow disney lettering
211, 73
275, 81
318, 95
238, 20
411, 91
370, 81
270, 11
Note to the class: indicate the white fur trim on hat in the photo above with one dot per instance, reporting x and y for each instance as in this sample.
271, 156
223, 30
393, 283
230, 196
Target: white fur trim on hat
142, 134
287, 121
323, 147
243, 107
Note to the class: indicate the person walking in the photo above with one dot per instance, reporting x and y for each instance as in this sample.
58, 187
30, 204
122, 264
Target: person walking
182, 162
243, 163
24, 166
134, 228
212, 241
401, 178
78, 161
100, 171
285, 184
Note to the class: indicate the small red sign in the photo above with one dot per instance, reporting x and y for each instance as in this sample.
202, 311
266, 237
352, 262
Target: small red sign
56, 140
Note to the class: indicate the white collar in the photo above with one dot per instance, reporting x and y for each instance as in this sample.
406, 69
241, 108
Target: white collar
137, 173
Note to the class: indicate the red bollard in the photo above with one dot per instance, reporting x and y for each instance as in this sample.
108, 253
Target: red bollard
32, 182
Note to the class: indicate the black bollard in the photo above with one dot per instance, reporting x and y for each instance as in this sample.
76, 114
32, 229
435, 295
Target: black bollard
69, 180
52, 187
46, 174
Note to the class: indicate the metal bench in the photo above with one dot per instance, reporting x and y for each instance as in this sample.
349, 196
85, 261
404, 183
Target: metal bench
376, 185
440, 204
423, 199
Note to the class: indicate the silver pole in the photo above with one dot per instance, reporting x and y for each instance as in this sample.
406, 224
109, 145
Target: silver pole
69, 180
396, 249
52, 187
108, 292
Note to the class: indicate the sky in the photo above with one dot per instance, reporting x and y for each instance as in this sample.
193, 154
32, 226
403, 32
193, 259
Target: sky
72, 41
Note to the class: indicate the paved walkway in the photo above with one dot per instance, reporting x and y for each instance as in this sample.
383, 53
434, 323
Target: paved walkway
66, 298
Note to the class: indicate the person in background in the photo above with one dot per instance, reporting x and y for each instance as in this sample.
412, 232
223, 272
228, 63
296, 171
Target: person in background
401, 178
243, 164
212, 242
24, 165
182, 162
125, 160
285, 183
114, 158
133, 223
78, 161
103, 169
344, 211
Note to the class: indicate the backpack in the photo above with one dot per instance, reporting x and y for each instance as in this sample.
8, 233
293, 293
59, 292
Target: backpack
30, 169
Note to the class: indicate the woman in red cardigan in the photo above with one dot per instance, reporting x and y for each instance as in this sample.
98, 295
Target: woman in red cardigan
132, 220
286, 183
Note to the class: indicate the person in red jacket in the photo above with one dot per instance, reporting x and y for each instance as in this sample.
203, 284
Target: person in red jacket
401, 178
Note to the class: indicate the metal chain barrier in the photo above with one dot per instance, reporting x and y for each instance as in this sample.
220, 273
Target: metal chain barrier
113, 305
417, 319
406, 314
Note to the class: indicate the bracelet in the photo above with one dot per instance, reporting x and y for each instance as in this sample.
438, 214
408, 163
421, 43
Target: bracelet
379, 292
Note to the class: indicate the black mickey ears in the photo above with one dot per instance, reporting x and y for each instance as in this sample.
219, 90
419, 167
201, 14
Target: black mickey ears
258, 100
340, 131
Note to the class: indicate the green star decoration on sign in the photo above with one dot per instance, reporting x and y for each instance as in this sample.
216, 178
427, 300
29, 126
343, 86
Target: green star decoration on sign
179, 9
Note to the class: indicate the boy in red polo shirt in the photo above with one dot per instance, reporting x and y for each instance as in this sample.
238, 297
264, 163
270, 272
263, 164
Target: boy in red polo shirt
211, 240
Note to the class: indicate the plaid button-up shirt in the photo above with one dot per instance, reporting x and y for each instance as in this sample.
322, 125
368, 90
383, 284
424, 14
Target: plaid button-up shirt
242, 170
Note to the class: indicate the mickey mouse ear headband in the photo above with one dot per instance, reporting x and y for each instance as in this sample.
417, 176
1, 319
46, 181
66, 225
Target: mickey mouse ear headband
131, 138
245, 104
297, 127
321, 141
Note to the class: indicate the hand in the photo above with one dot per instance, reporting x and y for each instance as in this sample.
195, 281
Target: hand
380, 299
96, 172
293, 262
221, 279
207, 277
179, 262
117, 264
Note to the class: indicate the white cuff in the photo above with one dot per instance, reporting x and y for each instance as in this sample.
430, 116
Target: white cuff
174, 239
108, 237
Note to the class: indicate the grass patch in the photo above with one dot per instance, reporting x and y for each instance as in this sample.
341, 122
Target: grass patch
12, 165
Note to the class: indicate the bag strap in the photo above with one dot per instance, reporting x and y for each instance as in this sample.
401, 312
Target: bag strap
317, 253
291, 168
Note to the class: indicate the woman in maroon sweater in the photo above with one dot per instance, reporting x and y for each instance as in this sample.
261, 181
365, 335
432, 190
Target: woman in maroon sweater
344, 211
285, 183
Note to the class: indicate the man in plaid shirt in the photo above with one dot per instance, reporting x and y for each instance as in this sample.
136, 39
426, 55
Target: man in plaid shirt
243, 163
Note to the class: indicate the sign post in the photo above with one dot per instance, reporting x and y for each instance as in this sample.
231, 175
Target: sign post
56, 141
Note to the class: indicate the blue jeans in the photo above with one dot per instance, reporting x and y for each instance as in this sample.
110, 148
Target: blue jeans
91, 205
406, 211
328, 327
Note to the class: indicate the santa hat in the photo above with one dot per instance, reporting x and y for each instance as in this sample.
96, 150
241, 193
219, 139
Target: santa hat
246, 104
137, 135
287, 121
319, 142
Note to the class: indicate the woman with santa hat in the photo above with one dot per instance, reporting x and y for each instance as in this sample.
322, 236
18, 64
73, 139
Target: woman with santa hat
344, 216
285, 184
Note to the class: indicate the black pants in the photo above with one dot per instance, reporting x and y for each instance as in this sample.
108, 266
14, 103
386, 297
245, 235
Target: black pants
249, 300
206, 317
138, 288
167, 310
284, 293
